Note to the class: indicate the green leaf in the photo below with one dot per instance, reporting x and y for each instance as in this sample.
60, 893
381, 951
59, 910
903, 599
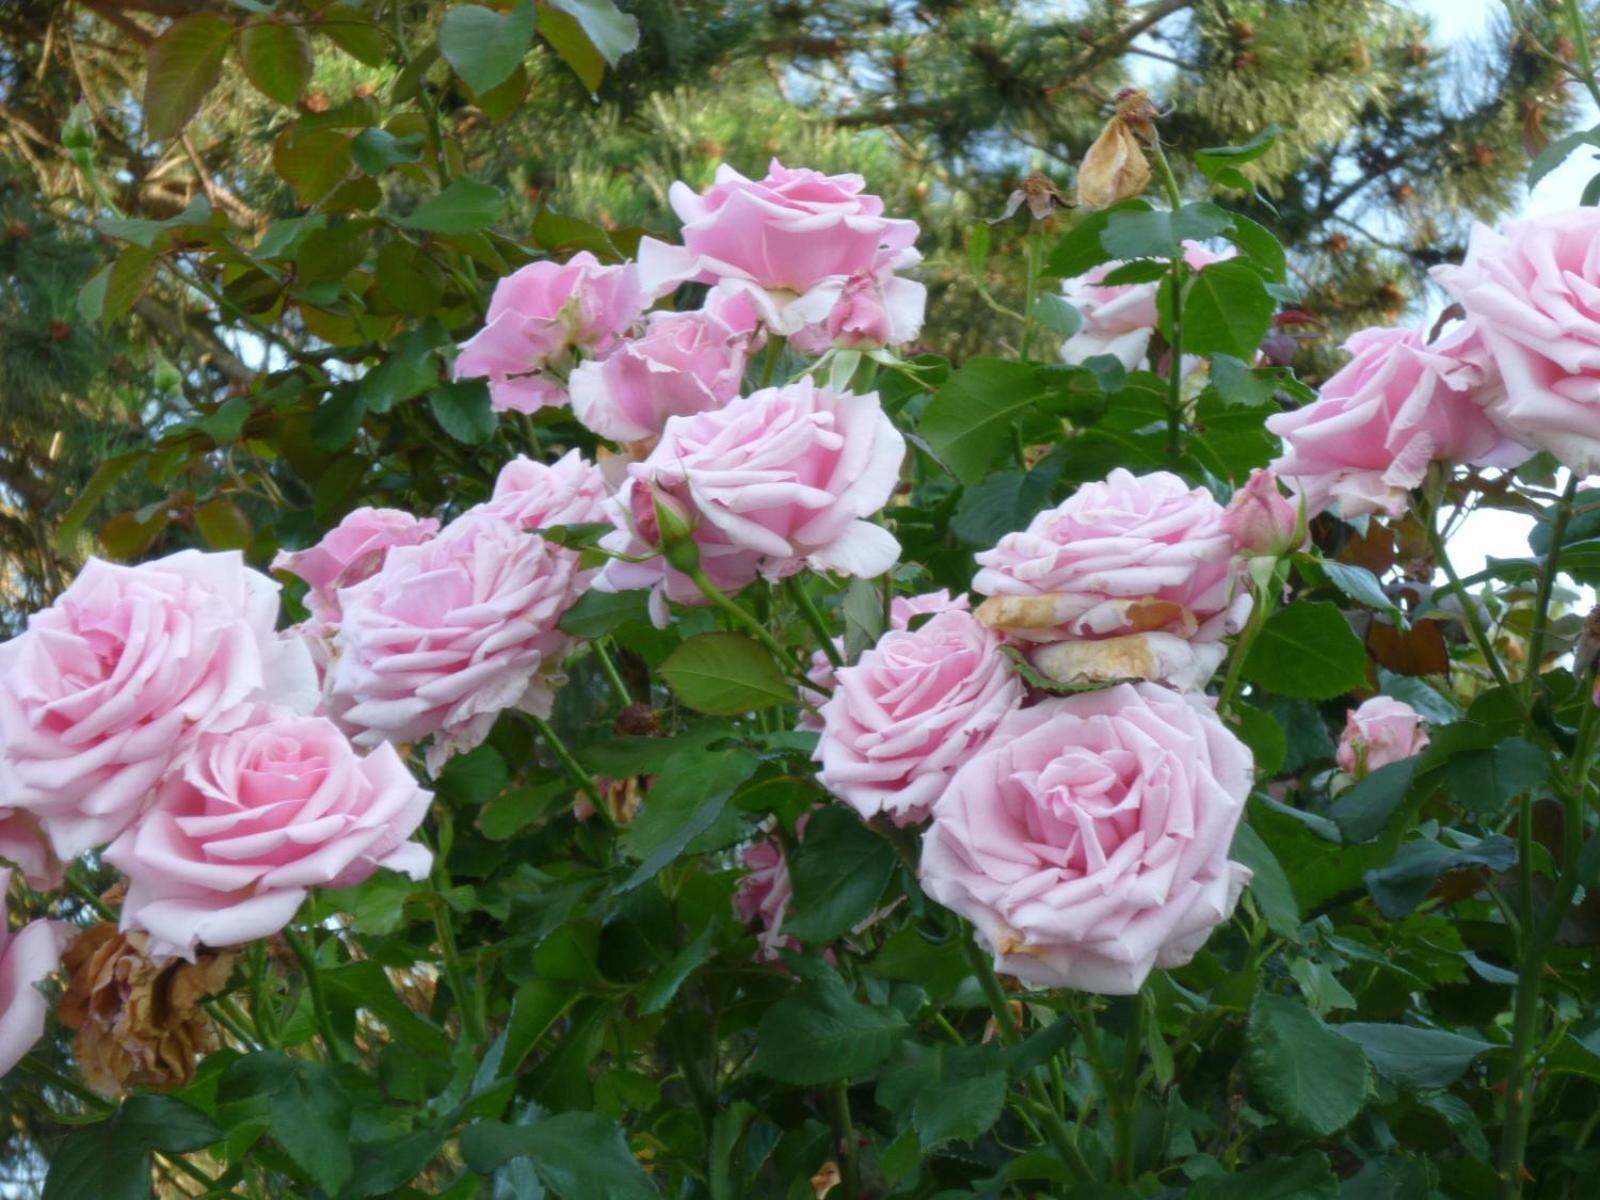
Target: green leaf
183, 64
961, 1110
1553, 155
1362, 586
1260, 247
483, 46
726, 674
1402, 885
689, 794
313, 162
410, 368
577, 1155
466, 206
223, 525
463, 411
1054, 313
1159, 234
96, 1161
1361, 812
1413, 1057
664, 984
1268, 743
354, 33
1312, 1079
1080, 250
310, 1118
599, 613
1307, 651
338, 418
1268, 883
474, 778
839, 872
376, 906
1213, 160
968, 423
818, 1033
1235, 383
1486, 781
143, 232
1305, 1177
376, 150
277, 59
610, 30
1226, 310
365, 985
126, 281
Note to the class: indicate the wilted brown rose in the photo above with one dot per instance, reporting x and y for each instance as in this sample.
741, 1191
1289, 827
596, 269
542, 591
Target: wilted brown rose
138, 1019
1115, 167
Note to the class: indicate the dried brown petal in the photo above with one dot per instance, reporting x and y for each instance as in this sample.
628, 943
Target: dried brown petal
1114, 168
138, 1019
826, 1179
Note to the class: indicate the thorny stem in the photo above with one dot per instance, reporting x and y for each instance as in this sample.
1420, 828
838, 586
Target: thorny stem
756, 629
1175, 348
319, 1000
573, 768
808, 609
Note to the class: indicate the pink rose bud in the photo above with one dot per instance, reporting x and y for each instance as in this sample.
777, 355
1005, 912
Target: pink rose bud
1088, 839
1381, 731
27, 956
1259, 519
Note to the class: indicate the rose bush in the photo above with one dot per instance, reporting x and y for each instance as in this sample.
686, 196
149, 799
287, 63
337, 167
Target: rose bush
699, 740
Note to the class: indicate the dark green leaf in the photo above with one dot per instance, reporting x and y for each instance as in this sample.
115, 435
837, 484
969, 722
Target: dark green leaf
726, 674
463, 411
1413, 1057
818, 1033
1305, 1177
578, 1155
473, 778
1486, 781
1226, 310
1307, 651
599, 613
376, 150
97, 1162
664, 984
1363, 810
1080, 249
338, 418
1403, 884
1268, 883
1311, 1078
466, 206
839, 872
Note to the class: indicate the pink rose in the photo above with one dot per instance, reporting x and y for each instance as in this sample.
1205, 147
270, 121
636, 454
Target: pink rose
1088, 840
350, 552
108, 685
537, 317
1119, 320
27, 956
778, 239
1530, 293
1398, 405
450, 633
911, 710
1381, 731
534, 495
684, 362
764, 894
776, 481
24, 845
257, 817
871, 311
1135, 554
1260, 521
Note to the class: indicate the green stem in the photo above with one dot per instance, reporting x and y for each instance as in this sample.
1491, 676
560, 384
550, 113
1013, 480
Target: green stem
573, 768
608, 666
769, 366
81, 889
37, 1067
1580, 40
1175, 346
1468, 604
1128, 1095
1035, 263
1547, 583
1231, 682
756, 629
468, 1000
844, 1129
808, 609
1056, 1129
227, 1014
319, 1000
264, 1018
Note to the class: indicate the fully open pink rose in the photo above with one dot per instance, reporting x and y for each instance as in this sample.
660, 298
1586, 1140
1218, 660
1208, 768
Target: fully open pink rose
1380, 731
778, 239
1398, 405
1088, 840
538, 316
257, 817
1532, 293
1135, 554
350, 552
776, 481
684, 362
1119, 320
108, 685
535, 495
27, 956
450, 633
912, 709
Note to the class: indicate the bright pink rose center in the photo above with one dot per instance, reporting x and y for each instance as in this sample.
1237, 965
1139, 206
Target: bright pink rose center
1080, 807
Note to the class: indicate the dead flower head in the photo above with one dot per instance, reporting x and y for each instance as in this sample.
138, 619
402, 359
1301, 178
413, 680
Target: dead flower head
1039, 192
1115, 167
138, 1019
